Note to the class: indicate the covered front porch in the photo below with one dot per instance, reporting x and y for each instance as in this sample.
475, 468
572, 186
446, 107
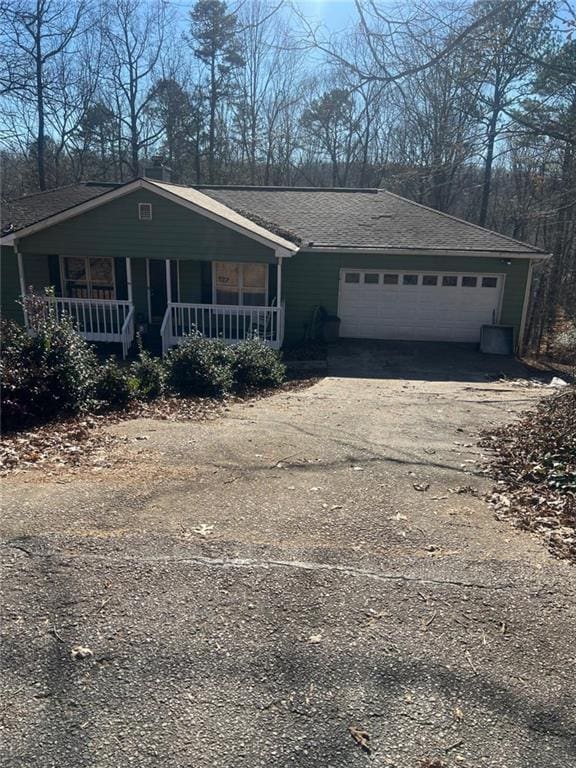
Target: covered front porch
111, 299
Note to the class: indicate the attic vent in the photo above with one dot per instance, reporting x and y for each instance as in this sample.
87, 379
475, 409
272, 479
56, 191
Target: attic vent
145, 211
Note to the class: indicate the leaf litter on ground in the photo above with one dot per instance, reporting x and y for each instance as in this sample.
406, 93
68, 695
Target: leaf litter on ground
534, 462
83, 441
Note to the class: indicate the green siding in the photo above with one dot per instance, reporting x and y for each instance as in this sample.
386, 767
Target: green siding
36, 273
191, 282
10, 285
113, 229
139, 290
311, 280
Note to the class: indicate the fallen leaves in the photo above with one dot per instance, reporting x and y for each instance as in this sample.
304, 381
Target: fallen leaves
73, 442
83, 441
81, 652
534, 461
361, 737
458, 714
203, 530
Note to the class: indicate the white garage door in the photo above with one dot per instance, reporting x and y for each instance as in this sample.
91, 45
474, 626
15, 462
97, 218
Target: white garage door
427, 306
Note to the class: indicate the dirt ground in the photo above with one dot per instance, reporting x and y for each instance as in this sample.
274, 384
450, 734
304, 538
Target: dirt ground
251, 588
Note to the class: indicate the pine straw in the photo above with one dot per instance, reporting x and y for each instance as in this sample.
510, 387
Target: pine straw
84, 441
535, 464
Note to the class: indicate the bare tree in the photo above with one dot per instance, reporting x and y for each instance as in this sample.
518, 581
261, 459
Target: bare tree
134, 39
41, 31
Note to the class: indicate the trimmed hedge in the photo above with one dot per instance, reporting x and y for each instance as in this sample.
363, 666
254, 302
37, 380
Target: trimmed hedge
257, 366
200, 366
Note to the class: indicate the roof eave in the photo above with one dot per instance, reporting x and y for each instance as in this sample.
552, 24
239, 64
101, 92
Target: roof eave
389, 251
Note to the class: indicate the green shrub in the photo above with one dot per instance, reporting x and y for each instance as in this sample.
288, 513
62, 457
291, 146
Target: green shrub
114, 385
149, 373
257, 366
46, 373
200, 366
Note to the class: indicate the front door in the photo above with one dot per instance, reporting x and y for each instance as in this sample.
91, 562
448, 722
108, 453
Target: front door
157, 288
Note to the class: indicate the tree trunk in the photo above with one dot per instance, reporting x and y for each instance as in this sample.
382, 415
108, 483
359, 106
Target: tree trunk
489, 161
212, 123
40, 138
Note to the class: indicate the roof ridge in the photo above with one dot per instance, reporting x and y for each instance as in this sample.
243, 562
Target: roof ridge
272, 188
534, 248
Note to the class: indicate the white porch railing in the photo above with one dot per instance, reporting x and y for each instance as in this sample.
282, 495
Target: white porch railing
230, 323
98, 319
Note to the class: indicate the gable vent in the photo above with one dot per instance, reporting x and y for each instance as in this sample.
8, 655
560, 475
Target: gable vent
145, 211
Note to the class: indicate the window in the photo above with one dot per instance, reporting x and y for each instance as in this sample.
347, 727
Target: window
390, 279
371, 278
352, 277
429, 279
243, 284
450, 280
489, 282
145, 211
469, 282
88, 278
410, 279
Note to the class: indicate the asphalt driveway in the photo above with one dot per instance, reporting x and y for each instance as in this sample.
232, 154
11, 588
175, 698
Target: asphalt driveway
251, 588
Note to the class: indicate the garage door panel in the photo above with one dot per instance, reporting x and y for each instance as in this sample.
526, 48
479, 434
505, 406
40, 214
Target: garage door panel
408, 311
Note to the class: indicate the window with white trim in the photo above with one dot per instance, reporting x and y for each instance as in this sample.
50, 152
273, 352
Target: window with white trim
88, 277
244, 284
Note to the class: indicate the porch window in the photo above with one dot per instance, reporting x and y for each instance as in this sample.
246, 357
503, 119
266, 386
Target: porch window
240, 284
88, 277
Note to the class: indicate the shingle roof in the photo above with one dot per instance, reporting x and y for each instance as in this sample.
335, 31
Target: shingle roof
321, 217
211, 205
367, 218
30, 209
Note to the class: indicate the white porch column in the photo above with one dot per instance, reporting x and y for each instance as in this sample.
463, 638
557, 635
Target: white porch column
129, 278
168, 282
279, 311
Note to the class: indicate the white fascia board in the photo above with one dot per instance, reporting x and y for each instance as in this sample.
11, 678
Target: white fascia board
374, 250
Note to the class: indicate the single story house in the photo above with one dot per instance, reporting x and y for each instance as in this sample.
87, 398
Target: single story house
234, 261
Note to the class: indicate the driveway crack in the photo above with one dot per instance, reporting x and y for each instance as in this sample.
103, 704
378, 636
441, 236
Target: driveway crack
298, 565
